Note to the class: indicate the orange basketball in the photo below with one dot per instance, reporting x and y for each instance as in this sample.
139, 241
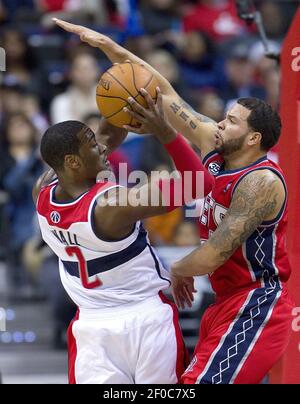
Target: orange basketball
116, 85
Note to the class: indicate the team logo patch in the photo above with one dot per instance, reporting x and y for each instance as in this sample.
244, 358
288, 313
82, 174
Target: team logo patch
214, 168
55, 217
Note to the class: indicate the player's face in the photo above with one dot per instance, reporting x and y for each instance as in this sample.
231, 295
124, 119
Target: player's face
232, 132
93, 156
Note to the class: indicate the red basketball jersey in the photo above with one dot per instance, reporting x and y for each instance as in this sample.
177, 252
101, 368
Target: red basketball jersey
263, 257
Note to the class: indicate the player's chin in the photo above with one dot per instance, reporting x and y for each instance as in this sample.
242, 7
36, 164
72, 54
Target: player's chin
219, 149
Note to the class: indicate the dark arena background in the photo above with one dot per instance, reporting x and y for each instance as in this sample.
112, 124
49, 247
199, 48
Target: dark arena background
212, 52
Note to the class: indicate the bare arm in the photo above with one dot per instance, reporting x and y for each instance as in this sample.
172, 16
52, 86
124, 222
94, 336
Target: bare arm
109, 135
259, 197
197, 128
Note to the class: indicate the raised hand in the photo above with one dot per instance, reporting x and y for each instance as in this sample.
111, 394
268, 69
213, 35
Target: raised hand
87, 35
152, 119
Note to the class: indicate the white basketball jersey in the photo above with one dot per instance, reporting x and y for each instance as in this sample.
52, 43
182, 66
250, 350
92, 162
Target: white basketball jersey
97, 273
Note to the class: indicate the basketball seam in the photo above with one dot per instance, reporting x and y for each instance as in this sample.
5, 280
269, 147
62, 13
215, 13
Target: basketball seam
152, 77
120, 98
111, 96
118, 81
134, 83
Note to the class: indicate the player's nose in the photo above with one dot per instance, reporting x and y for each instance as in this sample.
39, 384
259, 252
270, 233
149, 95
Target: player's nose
221, 124
102, 148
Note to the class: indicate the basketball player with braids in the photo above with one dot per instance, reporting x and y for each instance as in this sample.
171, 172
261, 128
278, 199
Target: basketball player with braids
243, 229
126, 331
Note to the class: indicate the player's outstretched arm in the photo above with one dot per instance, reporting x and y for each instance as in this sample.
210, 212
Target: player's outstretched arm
110, 136
258, 198
198, 128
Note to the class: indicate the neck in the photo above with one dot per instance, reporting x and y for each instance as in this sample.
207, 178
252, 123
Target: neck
237, 160
72, 189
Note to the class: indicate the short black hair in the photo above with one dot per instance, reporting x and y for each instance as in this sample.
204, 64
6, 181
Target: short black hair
62, 139
263, 119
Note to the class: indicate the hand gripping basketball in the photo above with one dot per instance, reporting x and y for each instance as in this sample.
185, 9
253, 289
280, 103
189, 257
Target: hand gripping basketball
151, 117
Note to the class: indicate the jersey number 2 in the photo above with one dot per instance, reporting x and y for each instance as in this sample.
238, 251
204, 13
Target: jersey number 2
84, 276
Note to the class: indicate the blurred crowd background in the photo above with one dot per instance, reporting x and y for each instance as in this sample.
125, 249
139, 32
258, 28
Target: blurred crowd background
210, 56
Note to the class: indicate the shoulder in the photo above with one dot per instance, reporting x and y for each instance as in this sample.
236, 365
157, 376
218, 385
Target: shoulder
260, 193
45, 179
260, 180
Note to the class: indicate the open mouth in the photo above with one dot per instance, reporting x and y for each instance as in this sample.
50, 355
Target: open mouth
217, 137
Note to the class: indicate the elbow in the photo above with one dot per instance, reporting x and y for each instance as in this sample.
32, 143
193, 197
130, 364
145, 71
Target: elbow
209, 268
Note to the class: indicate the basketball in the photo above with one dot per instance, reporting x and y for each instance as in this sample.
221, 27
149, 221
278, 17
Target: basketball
116, 85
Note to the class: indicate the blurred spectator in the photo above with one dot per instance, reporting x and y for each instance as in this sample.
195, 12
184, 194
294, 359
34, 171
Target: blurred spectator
32, 110
186, 235
11, 100
81, 11
271, 81
117, 11
198, 63
15, 10
19, 60
79, 100
14, 99
273, 19
167, 65
216, 18
159, 16
211, 105
2, 12
240, 76
262, 63
20, 168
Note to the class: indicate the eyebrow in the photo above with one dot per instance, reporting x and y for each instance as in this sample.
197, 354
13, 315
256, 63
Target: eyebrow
91, 136
232, 117
86, 135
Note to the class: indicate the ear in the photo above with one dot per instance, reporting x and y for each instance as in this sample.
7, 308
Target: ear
72, 161
255, 138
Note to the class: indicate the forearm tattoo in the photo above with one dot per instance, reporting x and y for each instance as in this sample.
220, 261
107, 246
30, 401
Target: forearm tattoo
188, 114
253, 201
